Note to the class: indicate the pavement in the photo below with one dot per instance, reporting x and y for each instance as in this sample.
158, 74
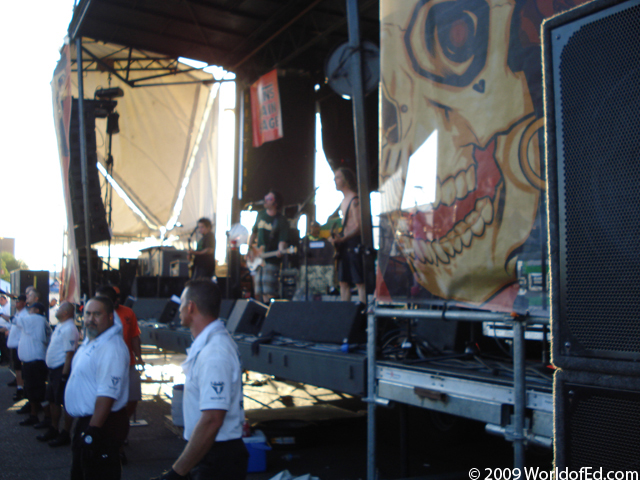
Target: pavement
311, 431
154, 442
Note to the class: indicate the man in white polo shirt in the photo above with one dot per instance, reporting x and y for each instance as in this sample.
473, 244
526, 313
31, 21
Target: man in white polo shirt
212, 402
32, 349
62, 346
13, 339
97, 393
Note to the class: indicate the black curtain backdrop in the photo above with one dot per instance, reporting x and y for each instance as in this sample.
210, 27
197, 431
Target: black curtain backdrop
338, 139
286, 164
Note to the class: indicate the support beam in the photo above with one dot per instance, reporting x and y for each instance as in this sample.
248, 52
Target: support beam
357, 100
83, 165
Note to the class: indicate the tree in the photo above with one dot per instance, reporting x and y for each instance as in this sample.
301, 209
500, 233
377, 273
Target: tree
9, 263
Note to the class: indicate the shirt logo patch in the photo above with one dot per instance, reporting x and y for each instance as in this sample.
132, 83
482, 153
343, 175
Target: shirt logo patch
115, 380
218, 387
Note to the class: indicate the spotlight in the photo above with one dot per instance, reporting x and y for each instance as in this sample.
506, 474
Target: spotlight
112, 123
108, 93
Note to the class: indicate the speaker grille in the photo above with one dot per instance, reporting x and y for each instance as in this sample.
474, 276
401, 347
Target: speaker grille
603, 428
600, 80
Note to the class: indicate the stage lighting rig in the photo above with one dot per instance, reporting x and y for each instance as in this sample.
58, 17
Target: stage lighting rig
109, 93
106, 105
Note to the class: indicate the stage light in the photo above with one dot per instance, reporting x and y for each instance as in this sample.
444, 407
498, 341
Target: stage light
108, 93
112, 123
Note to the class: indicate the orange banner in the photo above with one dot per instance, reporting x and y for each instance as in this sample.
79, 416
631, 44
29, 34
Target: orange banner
266, 114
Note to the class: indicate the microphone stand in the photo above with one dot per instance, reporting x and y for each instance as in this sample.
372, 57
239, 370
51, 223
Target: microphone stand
305, 244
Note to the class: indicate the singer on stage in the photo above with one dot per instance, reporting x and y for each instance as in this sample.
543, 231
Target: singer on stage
204, 264
270, 232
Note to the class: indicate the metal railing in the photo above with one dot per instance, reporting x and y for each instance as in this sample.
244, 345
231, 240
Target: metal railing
517, 434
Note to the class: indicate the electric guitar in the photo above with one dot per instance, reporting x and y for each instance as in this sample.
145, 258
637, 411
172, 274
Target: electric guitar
336, 232
191, 257
256, 257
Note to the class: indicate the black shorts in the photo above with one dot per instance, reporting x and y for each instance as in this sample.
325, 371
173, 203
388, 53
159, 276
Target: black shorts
16, 364
350, 266
34, 375
55, 387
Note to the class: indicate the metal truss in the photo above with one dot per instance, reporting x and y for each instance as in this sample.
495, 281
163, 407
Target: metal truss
127, 63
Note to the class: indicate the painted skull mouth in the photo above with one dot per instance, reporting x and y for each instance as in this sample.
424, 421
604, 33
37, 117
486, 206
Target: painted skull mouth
465, 204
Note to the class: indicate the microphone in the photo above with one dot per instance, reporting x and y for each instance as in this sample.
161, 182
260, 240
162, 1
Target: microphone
259, 202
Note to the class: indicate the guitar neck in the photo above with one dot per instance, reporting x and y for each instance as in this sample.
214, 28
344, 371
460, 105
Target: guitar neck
275, 252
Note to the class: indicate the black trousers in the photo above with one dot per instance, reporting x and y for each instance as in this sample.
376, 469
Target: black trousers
5, 354
35, 375
103, 463
225, 461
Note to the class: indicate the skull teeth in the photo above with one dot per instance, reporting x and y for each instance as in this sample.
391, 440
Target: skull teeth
455, 187
459, 238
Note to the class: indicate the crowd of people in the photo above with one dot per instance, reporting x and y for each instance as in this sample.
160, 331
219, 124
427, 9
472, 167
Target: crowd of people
86, 374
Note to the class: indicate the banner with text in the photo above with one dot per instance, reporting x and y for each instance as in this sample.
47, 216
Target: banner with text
266, 114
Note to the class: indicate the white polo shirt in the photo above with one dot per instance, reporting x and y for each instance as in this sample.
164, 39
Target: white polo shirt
100, 368
15, 332
64, 339
213, 381
33, 339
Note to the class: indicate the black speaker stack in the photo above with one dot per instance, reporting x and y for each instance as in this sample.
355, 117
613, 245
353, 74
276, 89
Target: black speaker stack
158, 286
99, 228
592, 102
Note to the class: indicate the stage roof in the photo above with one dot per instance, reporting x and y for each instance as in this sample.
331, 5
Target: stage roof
247, 37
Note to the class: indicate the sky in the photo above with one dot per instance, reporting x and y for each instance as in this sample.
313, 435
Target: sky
31, 195
30, 186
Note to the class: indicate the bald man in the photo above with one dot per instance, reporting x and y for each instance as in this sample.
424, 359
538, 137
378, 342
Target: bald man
62, 347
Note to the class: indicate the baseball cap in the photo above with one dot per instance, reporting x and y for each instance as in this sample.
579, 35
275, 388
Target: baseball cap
38, 306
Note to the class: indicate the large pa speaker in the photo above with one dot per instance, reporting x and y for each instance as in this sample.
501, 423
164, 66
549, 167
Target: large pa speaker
171, 311
321, 322
162, 287
99, 228
152, 309
246, 317
597, 422
226, 307
592, 95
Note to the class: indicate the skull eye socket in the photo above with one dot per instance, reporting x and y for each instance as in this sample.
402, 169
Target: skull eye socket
447, 42
457, 39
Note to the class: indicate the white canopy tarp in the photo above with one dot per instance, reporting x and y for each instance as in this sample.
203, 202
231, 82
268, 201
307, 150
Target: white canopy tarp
168, 137
165, 155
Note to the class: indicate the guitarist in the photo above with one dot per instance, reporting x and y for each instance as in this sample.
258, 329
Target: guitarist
350, 263
270, 233
204, 264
